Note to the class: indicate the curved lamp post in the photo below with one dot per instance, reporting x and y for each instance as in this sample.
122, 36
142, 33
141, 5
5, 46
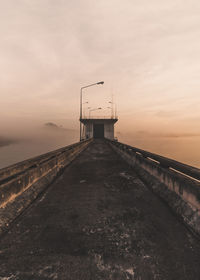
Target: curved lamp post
81, 93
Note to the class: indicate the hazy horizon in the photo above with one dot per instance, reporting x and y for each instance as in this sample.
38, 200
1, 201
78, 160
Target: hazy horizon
146, 52
33, 141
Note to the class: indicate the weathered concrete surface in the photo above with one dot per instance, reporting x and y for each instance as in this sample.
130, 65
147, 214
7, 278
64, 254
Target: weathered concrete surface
179, 190
99, 221
20, 184
19, 177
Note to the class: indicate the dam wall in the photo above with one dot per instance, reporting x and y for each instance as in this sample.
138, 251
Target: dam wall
21, 183
177, 184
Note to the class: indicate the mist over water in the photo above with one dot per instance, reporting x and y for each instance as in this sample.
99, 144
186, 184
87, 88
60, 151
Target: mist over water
31, 142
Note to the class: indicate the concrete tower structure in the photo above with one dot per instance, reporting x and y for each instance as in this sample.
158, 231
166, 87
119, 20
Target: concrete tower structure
98, 127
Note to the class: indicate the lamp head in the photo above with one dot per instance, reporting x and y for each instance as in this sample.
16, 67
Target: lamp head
100, 83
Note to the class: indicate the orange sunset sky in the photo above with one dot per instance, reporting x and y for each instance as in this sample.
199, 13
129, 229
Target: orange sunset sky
146, 51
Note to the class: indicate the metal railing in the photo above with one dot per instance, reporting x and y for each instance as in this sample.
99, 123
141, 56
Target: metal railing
183, 169
100, 117
21, 167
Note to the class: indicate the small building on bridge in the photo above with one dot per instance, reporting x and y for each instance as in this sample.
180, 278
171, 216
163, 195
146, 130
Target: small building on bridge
98, 127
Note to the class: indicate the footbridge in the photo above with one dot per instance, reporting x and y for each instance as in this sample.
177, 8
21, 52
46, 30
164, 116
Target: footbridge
99, 209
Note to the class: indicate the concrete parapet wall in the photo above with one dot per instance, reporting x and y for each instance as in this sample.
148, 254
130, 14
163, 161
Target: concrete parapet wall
176, 183
22, 182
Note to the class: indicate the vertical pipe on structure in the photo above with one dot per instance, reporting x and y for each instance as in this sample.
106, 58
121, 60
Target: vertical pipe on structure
83, 132
112, 106
80, 112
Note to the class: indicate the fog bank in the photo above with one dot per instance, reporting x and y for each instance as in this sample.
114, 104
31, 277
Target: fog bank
26, 142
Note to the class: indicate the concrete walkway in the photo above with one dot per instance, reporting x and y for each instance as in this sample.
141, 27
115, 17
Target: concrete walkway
99, 221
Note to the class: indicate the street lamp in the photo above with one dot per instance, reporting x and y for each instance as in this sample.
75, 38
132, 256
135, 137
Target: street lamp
94, 110
81, 93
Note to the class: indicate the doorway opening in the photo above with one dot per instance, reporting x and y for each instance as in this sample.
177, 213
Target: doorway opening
98, 130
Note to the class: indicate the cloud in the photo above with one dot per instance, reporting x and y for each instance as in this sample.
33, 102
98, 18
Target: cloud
166, 114
167, 135
146, 51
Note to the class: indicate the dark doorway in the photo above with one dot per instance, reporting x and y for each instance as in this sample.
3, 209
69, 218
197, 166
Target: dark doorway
98, 130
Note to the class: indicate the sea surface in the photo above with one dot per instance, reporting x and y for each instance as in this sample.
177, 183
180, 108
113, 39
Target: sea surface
186, 150
20, 151
183, 149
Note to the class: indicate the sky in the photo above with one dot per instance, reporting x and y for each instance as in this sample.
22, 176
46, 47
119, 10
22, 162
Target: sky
146, 51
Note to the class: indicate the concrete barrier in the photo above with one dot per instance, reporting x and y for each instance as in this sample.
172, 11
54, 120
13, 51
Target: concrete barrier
176, 183
21, 183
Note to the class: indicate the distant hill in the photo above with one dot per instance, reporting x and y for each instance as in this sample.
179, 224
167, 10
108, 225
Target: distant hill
53, 126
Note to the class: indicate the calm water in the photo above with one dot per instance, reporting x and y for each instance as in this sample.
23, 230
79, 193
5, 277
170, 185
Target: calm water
186, 150
18, 152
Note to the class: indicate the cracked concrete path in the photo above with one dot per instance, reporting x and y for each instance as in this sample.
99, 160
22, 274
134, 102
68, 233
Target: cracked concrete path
99, 221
